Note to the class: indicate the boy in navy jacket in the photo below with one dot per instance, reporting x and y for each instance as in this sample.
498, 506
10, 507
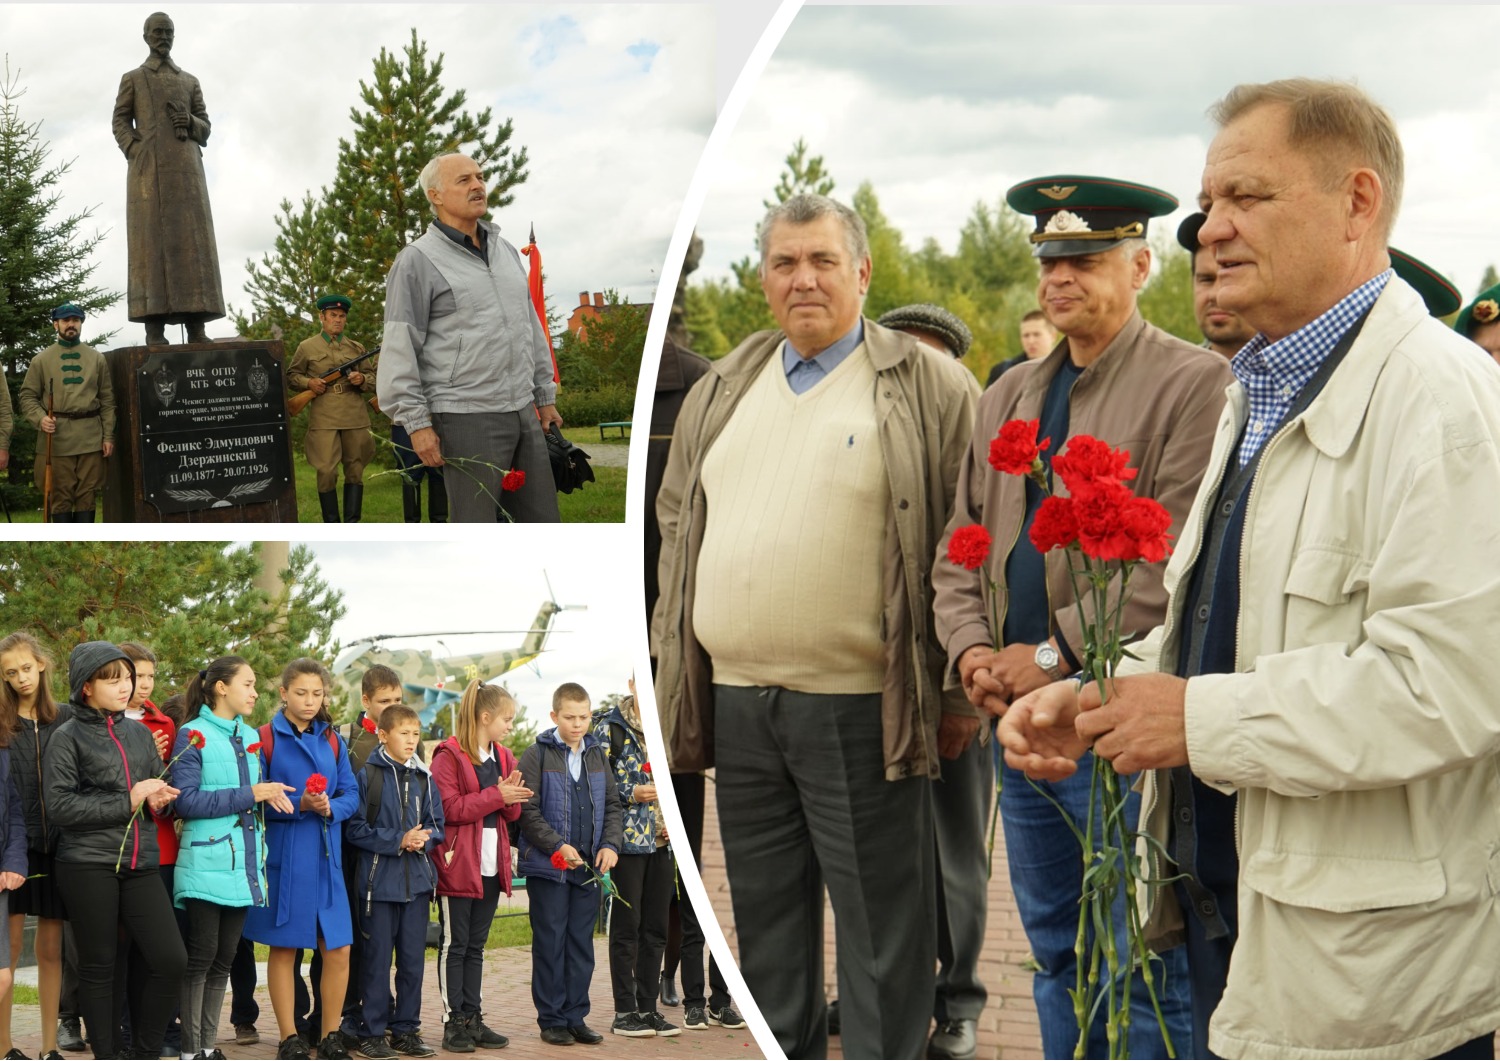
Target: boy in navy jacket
570, 833
400, 820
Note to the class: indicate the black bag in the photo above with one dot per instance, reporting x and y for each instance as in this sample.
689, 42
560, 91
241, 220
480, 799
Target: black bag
570, 465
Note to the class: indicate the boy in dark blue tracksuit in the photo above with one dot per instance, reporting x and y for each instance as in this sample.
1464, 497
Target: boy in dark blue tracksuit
394, 883
573, 819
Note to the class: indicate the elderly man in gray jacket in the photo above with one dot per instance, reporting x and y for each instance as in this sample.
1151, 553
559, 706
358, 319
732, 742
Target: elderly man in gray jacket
465, 366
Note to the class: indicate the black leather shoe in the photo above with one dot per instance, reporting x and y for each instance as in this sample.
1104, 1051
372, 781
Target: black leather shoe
669, 995
582, 1033
558, 1037
954, 1039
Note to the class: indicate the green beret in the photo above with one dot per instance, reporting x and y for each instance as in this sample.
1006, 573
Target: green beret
929, 318
1483, 310
1085, 215
335, 302
67, 311
1442, 298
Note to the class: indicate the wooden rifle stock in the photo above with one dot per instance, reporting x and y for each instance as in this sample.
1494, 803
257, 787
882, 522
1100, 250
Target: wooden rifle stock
47, 474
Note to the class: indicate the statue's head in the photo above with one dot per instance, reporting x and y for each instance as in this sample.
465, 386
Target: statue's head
159, 34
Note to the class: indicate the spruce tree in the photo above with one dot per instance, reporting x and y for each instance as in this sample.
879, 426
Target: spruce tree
45, 258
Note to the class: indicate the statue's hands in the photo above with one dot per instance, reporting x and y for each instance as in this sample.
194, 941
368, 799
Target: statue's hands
181, 119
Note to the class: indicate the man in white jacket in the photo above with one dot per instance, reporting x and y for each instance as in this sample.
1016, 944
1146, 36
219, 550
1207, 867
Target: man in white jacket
1321, 719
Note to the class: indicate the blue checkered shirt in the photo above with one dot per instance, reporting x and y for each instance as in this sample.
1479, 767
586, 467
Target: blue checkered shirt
1273, 374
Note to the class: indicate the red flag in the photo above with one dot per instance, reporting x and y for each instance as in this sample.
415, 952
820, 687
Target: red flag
538, 299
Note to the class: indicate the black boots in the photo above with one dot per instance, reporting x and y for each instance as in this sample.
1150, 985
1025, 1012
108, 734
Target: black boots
329, 500
354, 496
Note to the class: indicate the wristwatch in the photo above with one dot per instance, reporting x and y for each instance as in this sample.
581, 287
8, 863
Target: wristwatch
1048, 659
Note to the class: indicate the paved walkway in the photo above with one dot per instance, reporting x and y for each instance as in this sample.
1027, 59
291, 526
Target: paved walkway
509, 1011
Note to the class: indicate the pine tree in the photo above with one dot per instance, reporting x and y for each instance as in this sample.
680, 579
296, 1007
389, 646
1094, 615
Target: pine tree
45, 259
802, 175
1490, 278
191, 602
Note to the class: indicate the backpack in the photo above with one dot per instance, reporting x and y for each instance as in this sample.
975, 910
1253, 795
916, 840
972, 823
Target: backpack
616, 732
268, 741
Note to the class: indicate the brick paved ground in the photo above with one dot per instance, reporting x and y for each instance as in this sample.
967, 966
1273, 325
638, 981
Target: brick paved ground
509, 1011
1007, 1028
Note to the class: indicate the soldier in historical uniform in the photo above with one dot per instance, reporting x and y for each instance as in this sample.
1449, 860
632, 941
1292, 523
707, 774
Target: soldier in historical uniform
72, 377
161, 125
338, 425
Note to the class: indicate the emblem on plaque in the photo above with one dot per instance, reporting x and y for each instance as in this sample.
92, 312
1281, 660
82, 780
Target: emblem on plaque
259, 380
164, 383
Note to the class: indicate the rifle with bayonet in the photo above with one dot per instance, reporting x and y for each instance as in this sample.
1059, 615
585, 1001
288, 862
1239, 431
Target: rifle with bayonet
297, 402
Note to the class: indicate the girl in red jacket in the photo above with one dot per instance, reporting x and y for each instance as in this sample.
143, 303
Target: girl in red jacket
482, 791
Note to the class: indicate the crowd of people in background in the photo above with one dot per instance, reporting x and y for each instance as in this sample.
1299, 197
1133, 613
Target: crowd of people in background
157, 845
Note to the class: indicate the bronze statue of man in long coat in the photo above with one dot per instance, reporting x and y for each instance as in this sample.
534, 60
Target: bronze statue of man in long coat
161, 125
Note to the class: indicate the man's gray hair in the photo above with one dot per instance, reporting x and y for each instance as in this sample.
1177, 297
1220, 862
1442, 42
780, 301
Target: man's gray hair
428, 178
1326, 114
806, 208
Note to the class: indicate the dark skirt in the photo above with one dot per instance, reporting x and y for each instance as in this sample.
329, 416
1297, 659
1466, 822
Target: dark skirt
39, 895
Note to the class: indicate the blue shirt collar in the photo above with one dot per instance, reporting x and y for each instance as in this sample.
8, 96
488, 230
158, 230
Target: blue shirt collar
813, 369
1293, 360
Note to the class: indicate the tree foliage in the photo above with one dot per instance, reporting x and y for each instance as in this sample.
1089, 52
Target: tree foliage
45, 258
190, 602
989, 279
610, 348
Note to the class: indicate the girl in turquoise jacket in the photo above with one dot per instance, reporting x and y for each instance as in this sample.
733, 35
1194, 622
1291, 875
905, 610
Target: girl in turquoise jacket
221, 863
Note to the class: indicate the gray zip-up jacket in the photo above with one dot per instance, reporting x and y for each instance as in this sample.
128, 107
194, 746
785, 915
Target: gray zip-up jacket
460, 336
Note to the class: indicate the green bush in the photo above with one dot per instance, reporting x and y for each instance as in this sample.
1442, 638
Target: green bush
585, 408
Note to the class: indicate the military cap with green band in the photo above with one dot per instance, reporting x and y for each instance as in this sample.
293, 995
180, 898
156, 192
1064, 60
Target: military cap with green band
1441, 297
1483, 310
1085, 215
335, 302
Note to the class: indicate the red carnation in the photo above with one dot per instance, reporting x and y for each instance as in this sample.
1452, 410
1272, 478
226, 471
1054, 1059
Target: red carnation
368, 723
1099, 508
513, 480
559, 860
1015, 450
1088, 461
317, 784
1055, 526
969, 546
646, 768
1147, 523
195, 738
254, 749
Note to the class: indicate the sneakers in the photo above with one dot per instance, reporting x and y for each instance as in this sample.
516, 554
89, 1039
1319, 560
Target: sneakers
375, 1047
633, 1025
333, 1047
660, 1024
69, 1037
456, 1038
210, 1055
726, 1017
557, 1037
15, 1052
410, 1044
52, 1055
481, 1035
694, 1020
246, 1035
582, 1033
292, 1048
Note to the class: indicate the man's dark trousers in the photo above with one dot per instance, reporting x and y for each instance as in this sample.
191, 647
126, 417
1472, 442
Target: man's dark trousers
803, 800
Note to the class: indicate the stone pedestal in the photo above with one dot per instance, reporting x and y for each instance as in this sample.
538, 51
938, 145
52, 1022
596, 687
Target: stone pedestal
202, 435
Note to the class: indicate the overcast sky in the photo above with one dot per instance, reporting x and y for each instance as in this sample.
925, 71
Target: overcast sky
613, 103
941, 107
422, 587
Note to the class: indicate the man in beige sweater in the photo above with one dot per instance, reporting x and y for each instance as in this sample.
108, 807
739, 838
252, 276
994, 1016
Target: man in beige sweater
810, 476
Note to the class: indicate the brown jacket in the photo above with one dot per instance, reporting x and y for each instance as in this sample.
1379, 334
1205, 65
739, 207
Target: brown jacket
924, 402
342, 407
1149, 393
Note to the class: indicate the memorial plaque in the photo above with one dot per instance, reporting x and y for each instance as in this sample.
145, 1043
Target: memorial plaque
203, 434
212, 429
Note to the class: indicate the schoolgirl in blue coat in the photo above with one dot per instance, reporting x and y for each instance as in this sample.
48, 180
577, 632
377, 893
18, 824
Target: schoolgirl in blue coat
221, 863
307, 905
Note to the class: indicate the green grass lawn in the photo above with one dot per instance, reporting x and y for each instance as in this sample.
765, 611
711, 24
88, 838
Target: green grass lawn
602, 501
